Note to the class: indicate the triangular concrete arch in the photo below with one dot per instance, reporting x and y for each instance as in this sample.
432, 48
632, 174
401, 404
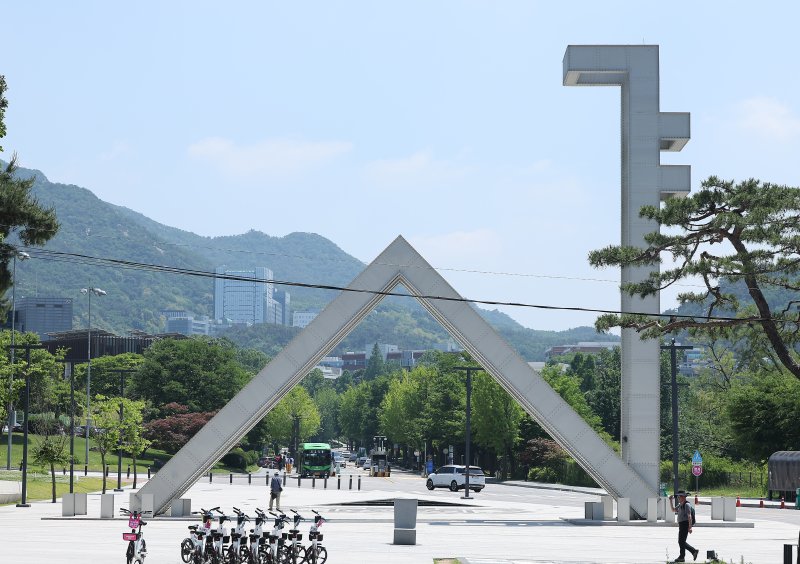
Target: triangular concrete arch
398, 264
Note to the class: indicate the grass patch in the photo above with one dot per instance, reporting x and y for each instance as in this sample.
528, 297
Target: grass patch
39, 487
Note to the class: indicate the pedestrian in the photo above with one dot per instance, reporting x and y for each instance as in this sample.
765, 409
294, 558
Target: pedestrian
275, 489
685, 513
290, 465
281, 462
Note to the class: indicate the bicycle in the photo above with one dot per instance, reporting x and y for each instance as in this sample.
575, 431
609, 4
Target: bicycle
257, 534
218, 550
274, 553
137, 548
193, 546
294, 552
316, 553
237, 551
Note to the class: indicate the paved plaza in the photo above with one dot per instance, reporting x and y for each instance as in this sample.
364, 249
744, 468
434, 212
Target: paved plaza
528, 525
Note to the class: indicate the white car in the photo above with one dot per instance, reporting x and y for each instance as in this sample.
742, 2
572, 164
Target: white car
452, 476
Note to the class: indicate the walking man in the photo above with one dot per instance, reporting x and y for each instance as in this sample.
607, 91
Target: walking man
685, 513
275, 489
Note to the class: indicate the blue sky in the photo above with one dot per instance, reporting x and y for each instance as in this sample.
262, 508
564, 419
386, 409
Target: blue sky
445, 122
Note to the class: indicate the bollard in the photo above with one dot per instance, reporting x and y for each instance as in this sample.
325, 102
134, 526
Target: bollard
325, 483
63, 471
359, 483
231, 480
761, 503
129, 471
313, 482
107, 469
284, 479
85, 469
210, 477
351, 481
696, 500
249, 478
339, 483
148, 472
298, 480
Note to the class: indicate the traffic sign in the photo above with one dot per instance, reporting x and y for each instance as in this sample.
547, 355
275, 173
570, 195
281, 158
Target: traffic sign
697, 459
697, 470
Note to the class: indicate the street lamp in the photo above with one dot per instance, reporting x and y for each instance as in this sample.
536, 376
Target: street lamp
88, 292
21, 256
469, 370
122, 373
672, 348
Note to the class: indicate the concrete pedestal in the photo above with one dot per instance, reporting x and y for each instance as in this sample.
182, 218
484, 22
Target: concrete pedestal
81, 504
623, 509
608, 507
728, 509
716, 508
652, 509
107, 506
181, 507
68, 505
405, 521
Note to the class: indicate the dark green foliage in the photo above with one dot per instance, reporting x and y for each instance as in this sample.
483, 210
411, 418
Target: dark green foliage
747, 234
240, 459
201, 373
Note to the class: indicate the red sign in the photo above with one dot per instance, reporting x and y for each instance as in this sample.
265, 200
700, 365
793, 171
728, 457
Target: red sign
697, 470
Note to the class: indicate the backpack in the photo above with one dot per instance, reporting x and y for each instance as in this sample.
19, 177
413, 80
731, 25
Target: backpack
691, 507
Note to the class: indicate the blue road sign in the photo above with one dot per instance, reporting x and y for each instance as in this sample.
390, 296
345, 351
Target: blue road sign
697, 459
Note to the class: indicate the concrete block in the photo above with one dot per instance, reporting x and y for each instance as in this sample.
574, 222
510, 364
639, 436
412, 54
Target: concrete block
405, 514
729, 509
652, 509
68, 505
662, 508
81, 504
147, 503
181, 507
716, 508
107, 506
405, 536
623, 509
608, 507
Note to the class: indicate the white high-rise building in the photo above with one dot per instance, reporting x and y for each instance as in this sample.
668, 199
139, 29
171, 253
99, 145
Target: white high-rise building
242, 295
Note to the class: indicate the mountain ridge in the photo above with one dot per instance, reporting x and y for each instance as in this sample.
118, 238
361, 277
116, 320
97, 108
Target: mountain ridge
94, 228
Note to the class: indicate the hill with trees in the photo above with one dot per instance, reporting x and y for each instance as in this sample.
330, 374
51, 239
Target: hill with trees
92, 229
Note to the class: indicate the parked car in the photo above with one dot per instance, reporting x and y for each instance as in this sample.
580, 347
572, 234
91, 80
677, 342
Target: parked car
339, 459
453, 476
365, 463
353, 457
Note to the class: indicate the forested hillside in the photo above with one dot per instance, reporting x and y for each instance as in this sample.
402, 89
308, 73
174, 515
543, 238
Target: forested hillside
93, 228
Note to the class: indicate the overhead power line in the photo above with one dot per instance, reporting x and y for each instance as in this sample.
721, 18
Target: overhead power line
59, 256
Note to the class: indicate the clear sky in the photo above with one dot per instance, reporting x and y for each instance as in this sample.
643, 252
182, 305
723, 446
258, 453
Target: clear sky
443, 121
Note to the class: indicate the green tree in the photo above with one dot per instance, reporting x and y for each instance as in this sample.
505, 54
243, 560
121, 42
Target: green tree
401, 408
133, 441
50, 448
105, 413
354, 413
105, 379
298, 406
375, 364
201, 373
495, 417
737, 234
763, 412
327, 401
3, 106
604, 396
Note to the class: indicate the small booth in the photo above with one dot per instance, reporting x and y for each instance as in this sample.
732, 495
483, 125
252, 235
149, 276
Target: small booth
784, 474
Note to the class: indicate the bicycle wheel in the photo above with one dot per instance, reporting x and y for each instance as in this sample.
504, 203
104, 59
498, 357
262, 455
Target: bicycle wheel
322, 555
129, 553
187, 547
299, 554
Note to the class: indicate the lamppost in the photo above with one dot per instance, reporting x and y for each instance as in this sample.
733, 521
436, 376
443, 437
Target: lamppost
469, 370
88, 292
21, 256
27, 347
674, 387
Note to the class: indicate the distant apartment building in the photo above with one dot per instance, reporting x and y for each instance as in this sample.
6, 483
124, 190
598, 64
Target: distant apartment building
42, 315
585, 347
303, 318
243, 295
283, 300
189, 325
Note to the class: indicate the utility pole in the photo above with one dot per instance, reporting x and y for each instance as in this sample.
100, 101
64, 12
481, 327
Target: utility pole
469, 370
121, 372
672, 347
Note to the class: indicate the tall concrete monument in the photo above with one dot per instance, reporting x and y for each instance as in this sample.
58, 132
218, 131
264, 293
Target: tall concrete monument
646, 131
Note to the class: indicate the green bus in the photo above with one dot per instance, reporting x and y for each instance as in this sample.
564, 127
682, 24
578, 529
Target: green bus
315, 460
